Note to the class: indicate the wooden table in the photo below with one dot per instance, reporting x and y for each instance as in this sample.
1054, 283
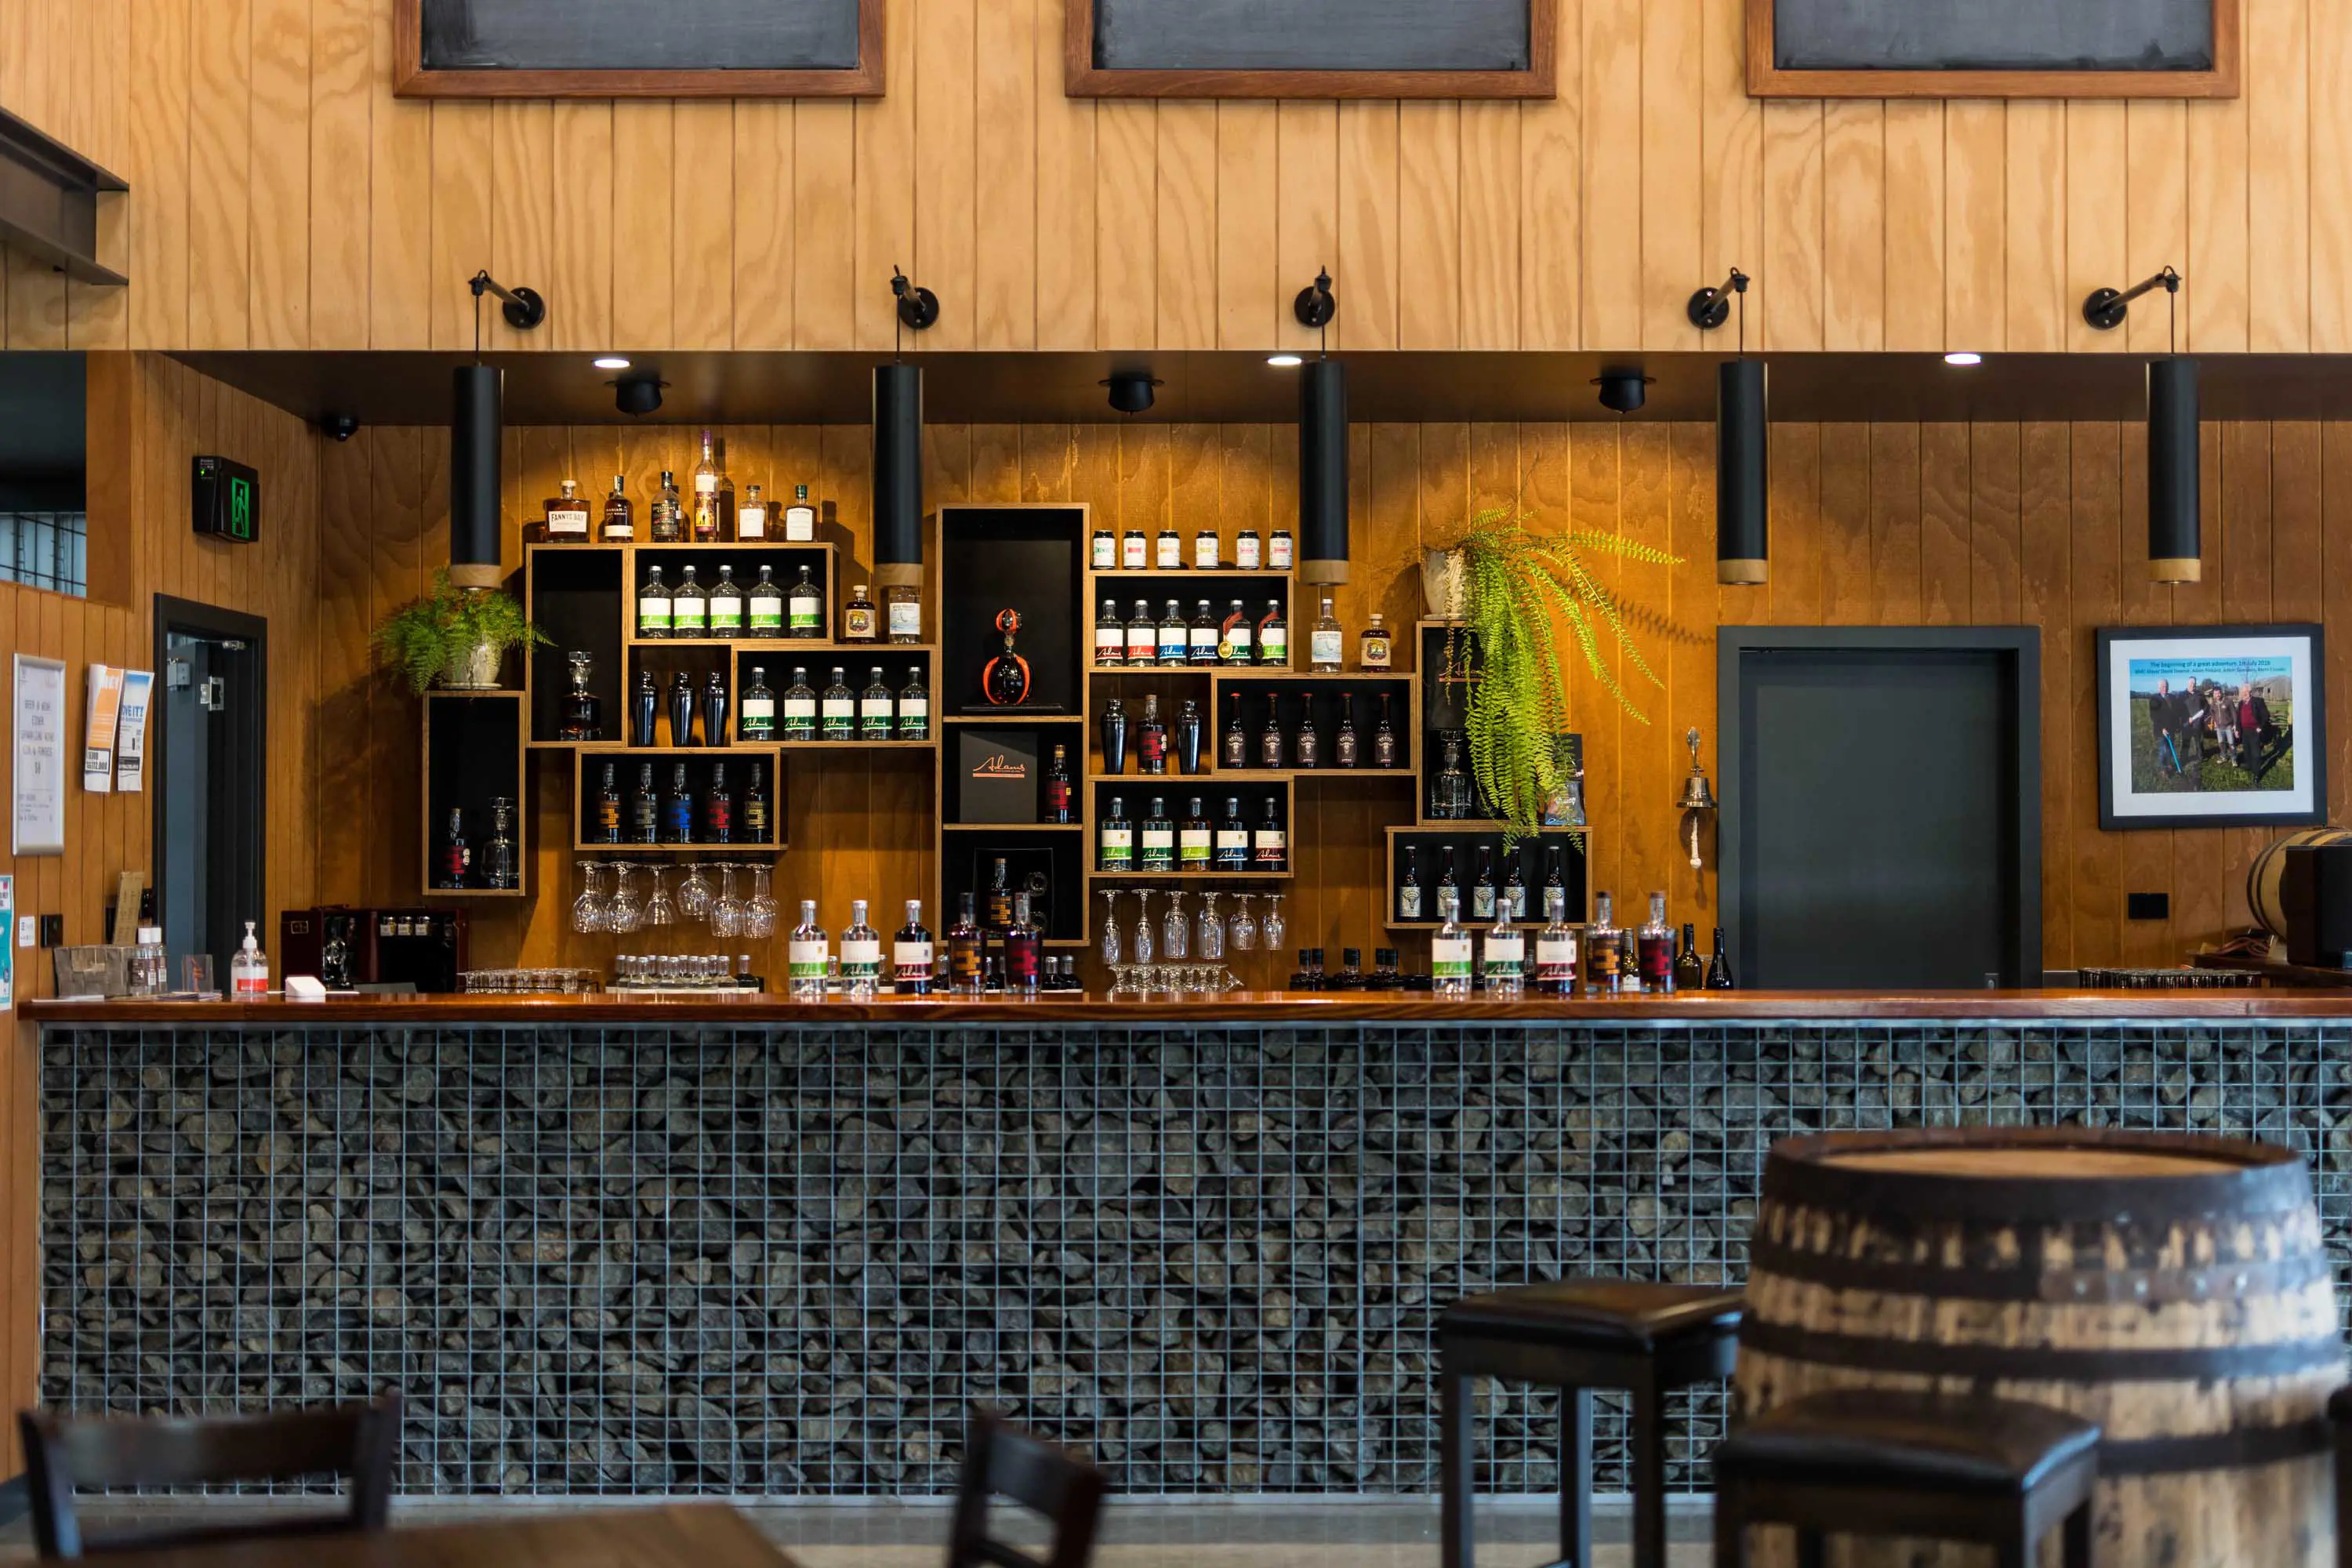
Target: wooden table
694, 1535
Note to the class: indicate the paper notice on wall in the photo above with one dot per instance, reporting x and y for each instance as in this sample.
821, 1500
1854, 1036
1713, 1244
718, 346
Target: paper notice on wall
38, 825
97, 735
130, 731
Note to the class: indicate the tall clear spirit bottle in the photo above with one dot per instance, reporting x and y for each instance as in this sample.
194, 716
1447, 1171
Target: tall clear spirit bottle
1449, 949
861, 956
806, 953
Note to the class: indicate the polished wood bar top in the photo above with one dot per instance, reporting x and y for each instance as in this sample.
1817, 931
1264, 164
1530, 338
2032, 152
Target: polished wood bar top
686, 1536
1261, 1007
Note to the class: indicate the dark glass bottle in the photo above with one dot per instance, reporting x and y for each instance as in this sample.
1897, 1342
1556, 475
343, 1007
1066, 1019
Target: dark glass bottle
455, 854
1343, 742
1156, 848
1233, 751
677, 809
1188, 737
1384, 746
755, 808
608, 808
1514, 897
1307, 747
1409, 886
1555, 891
999, 905
1058, 805
644, 809
1195, 843
1269, 739
1151, 739
1233, 847
1719, 967
1114, 736
1690, 969
911, 954
718, 808
963, 948
714, 710
642, 706
1025, 944
1269, 845
1482, 892
681, 710
1114, 839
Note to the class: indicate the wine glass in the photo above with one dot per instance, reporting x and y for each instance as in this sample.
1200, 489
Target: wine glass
1110, 942
1212, 930
623, 910
660, 910
726, 909
1244, 930
694, 893
1175, 931
588, 910
1275, 927
1144, 946
760, 908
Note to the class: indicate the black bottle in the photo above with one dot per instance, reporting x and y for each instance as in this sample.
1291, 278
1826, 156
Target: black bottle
1307, 748
1232, 844
608, 809
714, 710
1188, 737
1269, 739
1234, 752
755, 810
1114, 737
678, 808
681, 710
644, 809
1690, 970
1384, 746
1719, 968
1351, 970
718, 808
1343, 744
641, 709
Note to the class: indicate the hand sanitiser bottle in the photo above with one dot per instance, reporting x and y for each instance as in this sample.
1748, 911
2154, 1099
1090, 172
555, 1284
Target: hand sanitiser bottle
249, 969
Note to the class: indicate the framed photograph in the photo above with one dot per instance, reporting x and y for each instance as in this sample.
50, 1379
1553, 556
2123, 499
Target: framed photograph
2211, 727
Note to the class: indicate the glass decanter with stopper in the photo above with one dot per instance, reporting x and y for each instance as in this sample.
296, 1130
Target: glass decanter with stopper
1449, 790
584, 711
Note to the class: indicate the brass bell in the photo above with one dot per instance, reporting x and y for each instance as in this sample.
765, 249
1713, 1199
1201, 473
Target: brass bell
1698, 799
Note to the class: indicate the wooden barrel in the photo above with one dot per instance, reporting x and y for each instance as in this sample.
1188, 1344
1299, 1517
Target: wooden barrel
2262, 876
2175, 1289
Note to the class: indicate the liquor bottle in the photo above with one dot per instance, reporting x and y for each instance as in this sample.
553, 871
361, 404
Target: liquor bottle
1247, 557
1205, 549
800, 517
1025, 945
751, 516
457, 855
1719, 966
726, 606
1111, 637
608, 808
902, 613
1133, 553
1445, 877
745, 979
996, 908
1343, 743
667, 525
1351, 970
1504, 959
567, 516
714, 708
1114, 736
1188, 737
1306, 746
1157, 852
583, 711
1269, 739
1233, 750
652, 605
1175, 641
861, 956
1201, 636
874, 705
1102, 553
1005, 680
681, 710
1655, 946
1269, 845
1142, 636
1151, 739
1324, 644
800, 708
1195, 842
1603, 944
857, 620
1556, 959
1114, 842
677, 809
1555, 891
964, 949
1449, 949
755, 808
644, 809
1058, 805
837, 710
764, 607
1384, 971
1384, 746
756, 720
1409, 886
914, 706
1374, 650
1690, 969
805, 608
1169, 555
1277, 551
911, 954
719, 809
1482, 892
1273, 635
805, 954
689, 608
1514, 897
618, 526
248, 968
1235, 634
708, 512
1231, 852
1449, 792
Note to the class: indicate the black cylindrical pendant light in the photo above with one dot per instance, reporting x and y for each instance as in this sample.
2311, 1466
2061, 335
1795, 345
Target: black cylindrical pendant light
1742, 516
476, 430
898, 475
2172, 489
1323, 472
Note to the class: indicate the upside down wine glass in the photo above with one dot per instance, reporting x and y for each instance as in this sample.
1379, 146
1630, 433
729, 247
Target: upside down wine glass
1175, 931
1110, 944
1145, 945
1275, 927
588, 909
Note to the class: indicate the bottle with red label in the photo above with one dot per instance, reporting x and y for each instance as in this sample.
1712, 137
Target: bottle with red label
1023, 946
1058, 807
457, 855
911, 954
1655, 948
1152, 738
248, 968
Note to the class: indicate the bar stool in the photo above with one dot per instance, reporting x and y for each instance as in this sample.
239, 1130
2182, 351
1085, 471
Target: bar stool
1876, 1461
1577, 1335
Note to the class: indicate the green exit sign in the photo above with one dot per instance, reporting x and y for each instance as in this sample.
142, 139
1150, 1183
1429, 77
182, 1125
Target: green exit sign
227, 500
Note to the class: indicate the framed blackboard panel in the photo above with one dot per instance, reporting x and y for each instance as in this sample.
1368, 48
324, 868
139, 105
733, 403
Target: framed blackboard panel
1993, 49
627, 48
1310, 48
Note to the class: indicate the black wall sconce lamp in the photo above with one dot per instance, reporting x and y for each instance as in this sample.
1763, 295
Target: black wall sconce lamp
477, 431
898, 445
1742, 412
2174, 544
1322, 442
522, 308
2106, 308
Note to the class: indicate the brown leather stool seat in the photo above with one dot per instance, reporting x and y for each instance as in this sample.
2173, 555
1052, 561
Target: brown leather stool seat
1578, 1335
1877, 1462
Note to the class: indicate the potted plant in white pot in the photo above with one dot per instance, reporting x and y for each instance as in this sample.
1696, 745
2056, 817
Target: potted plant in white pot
455, 638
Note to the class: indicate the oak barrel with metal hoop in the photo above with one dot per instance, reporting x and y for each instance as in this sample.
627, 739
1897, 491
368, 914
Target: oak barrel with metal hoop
2174, 1290
2262, 876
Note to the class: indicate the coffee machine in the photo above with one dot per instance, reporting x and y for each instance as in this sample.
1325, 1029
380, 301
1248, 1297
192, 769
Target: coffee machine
351, 948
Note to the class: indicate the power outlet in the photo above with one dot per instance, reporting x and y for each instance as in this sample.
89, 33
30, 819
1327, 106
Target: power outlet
53, 931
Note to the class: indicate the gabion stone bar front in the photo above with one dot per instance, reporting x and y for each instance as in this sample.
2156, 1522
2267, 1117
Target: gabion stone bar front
784, 1260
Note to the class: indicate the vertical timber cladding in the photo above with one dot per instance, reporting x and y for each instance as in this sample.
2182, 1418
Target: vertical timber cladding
784, 1261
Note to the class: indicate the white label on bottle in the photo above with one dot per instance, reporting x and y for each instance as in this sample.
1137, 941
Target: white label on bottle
1232, 844
906, 618
913, 712
1245, 554
1131, 553
1449, 958
1277, 553
751, 522
1109, 642
861, 957
567, 523
1139, 642
1555, 956
1273, 644
1173, 641
726, 613
1172, 554
873, 707
653, 612
1482, 901
1193, 846
767, 614
1271, 842
1117, 843
1409, 901
803, 610
1204, 642
841, 708
1106, 552
1160, 838
856, 624
800, 524
1376, 653
802, 707
1510, 950
1204, 552
705, 484
1235, 647
911, 959
759, 710
806, 959
1323, 647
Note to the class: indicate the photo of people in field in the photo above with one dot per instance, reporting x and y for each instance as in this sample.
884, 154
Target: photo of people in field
2211, 724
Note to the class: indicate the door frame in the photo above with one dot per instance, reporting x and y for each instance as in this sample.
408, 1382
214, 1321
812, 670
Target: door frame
249, 738
2022, 962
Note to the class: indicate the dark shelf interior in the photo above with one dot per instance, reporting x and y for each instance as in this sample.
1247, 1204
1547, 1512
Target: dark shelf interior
474, 750
1031, 559
1049, 866
700, 767
575, 599
1321, 701
1466, 839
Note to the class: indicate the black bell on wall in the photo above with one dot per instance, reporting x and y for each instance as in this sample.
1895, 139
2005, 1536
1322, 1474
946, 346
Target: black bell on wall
2173, 543
477, 431
1742, 512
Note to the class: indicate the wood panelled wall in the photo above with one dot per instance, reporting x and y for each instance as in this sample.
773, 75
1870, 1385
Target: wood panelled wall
283, 199
1888, 525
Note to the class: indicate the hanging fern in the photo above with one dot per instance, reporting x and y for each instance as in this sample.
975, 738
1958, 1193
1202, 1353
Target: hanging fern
1512, 583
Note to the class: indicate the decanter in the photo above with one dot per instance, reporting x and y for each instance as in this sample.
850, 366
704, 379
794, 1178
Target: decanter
1005, 680
584, 711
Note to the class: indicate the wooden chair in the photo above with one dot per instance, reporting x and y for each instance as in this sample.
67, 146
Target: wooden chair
357, 1441
1003, 1460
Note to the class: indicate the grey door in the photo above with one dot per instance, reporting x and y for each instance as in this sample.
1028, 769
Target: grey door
210, 784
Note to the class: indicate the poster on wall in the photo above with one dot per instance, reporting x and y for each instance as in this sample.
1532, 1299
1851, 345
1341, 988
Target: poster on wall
105, 706
130, 731
38, 825
2211, 727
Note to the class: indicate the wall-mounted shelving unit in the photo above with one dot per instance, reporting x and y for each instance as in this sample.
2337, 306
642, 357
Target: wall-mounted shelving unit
473, 755
699, 762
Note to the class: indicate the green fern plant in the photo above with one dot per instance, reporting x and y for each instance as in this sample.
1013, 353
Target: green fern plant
422, 639
1511, 584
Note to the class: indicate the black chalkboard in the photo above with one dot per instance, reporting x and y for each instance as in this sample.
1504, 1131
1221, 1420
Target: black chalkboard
632, 47
1994, 35
1311, 48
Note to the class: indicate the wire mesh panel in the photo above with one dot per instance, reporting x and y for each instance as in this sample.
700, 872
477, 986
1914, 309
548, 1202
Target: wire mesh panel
783, 1262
